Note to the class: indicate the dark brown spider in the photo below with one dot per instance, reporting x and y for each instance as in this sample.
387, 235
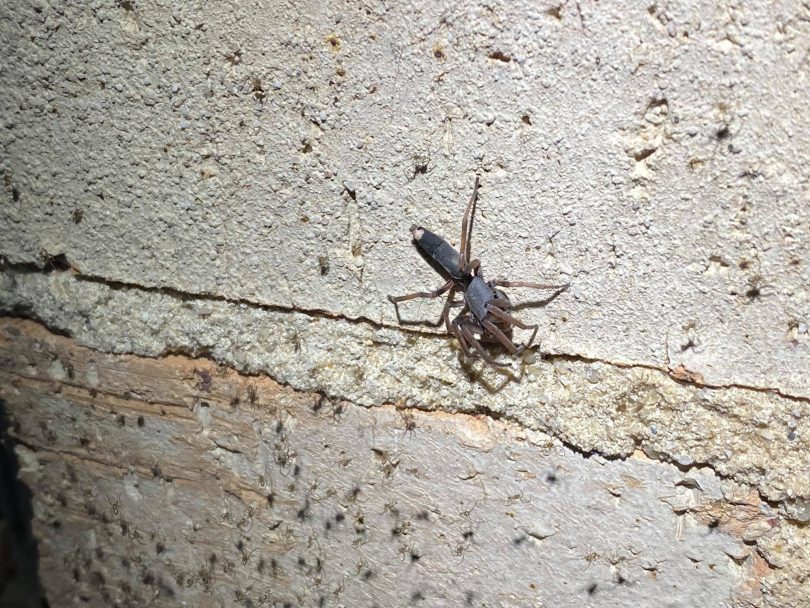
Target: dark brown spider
484, 316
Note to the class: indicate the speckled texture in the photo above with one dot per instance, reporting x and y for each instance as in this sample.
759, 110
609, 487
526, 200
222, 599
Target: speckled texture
757, 437
236, 181
181, 482
277, 152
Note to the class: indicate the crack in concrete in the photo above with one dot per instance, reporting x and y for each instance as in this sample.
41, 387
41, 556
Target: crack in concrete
185, 296
670, 372
569, 397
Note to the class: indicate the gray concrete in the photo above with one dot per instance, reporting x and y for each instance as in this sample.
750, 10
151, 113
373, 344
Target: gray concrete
236, 181
756, 437
654, 155
178, 480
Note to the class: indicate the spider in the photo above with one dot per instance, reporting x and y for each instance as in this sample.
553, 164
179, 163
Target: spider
484, 316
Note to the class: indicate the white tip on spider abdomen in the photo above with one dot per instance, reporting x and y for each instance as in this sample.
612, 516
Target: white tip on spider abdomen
417, 232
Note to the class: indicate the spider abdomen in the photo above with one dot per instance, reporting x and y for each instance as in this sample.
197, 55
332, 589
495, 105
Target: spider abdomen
438, 249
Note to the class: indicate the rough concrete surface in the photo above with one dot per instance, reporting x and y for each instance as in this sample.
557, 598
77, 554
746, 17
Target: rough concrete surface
174, 480
654, 154
757, 437
234, 182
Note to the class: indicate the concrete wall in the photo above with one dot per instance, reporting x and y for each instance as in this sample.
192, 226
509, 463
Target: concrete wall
225, 189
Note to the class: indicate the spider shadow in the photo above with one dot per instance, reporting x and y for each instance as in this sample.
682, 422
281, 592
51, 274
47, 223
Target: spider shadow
445, 277
477, 371
540, 302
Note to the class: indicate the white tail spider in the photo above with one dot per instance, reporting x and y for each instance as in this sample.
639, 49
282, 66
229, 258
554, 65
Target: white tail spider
485, 314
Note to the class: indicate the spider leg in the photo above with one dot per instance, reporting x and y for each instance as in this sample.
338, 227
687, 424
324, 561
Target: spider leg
501, 337
504, 283
503, 303
450, 303
507, 318
462, 341
471, 267
419, 294
457, 319
468, 335
466, 227
422, 294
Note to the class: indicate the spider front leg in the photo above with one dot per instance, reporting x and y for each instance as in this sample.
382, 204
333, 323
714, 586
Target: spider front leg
505, 317
504, 283
501, 337
466, 339
395, 300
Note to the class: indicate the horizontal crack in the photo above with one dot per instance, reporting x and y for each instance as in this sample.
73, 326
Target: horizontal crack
668, 371
185, 296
